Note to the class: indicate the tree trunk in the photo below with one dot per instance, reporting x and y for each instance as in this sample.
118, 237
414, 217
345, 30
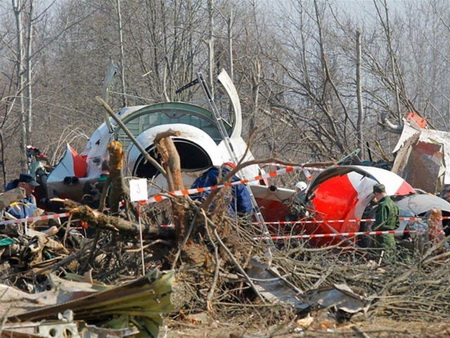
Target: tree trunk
115, 175
360, 122
230, 43
122, 54
170, 160
20, 84
28, 91
211, 45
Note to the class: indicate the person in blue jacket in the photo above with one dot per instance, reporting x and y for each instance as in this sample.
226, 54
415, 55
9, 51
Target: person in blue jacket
26, 207
241, 202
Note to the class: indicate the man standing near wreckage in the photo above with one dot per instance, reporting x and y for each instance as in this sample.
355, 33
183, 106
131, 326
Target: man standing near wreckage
241, 200
25, 207
386, 218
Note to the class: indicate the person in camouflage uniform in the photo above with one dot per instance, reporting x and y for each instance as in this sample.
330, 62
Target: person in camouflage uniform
386, 218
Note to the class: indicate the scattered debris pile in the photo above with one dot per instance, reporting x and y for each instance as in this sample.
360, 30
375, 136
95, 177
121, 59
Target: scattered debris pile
66, 278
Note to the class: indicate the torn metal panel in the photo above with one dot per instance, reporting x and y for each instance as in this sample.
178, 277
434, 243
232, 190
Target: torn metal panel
144, 300
339, 296
402, 155
278, 290
425, 167
417, 204
428, 136
68, 290
272, 286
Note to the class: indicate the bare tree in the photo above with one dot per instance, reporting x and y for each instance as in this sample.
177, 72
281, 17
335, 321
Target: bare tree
295, 66
18, 8
122, 52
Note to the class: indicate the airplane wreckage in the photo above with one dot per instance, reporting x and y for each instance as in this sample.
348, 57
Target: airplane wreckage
57, 264
338, 198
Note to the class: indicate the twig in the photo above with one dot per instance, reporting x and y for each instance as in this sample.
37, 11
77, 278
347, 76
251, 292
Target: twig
158, 241
216, 272
236, 263
67, 230
185, 239
359, 331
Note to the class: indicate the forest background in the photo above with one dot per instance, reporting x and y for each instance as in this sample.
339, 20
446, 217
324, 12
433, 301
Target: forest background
315, 77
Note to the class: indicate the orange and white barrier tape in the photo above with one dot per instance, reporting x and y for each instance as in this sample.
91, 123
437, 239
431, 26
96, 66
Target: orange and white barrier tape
357, 220
323, 221
339, 234
36, 218
306, 172
186, 192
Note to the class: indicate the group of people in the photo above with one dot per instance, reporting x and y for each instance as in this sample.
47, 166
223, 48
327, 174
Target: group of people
27, 207
240, 203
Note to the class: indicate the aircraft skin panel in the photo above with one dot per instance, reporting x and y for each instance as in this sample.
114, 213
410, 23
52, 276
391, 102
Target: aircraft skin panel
72, 164
95, 150
239, 147
395, 185
344, 194
172, 113
96, 145
187, 132
227, 83
64, 168
274, 203
334, 198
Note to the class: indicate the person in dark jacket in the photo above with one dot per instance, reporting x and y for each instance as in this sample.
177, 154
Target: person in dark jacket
25, 207
241, 201
386, 218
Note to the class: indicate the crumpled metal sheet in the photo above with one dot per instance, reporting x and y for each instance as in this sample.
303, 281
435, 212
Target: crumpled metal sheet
416, 204
339, 296
425, 167
142, 300
427, 136
272, 286
276, 289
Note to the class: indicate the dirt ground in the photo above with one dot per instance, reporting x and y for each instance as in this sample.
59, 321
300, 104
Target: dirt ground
379, 327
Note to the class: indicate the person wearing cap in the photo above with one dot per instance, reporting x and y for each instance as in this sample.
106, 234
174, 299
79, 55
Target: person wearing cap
386, 218
241, 201
26, 207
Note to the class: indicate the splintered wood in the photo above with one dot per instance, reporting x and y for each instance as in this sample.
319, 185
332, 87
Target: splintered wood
170, 160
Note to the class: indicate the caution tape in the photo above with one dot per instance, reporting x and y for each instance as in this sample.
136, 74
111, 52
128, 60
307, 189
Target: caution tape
66, 214
306, 172
357, 220
186, 192
338, 234
36, 218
